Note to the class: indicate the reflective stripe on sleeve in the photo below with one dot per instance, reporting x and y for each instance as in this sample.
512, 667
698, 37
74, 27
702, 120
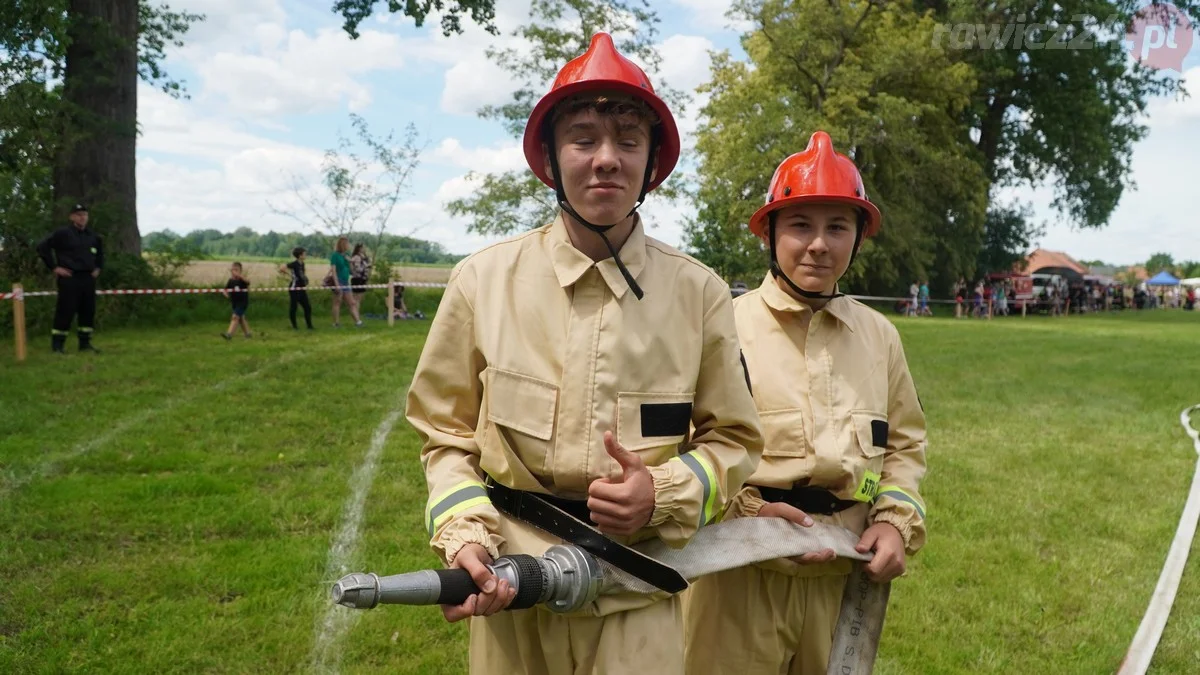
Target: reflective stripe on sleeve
902, 496
455, 500
703, 470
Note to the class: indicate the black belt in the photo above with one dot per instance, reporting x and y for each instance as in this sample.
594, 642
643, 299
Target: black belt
807, 498
545, 513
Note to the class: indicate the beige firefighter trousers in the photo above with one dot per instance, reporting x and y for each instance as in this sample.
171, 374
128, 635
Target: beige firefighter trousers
539, 642
755, 621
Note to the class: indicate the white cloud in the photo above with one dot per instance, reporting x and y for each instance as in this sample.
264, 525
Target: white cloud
473, 83
295, 73
503, 156
226, 22
1177, 112
177, 127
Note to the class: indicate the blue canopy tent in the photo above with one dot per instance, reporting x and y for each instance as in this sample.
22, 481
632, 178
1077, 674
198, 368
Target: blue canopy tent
1163, 278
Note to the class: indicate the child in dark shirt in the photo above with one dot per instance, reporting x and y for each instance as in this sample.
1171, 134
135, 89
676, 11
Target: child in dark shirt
237, 289
296, 287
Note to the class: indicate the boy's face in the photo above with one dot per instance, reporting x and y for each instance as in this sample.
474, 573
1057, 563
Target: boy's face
602, 162
235, 270
814, 243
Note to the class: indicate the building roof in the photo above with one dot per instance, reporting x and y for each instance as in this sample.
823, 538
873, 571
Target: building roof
1041, 259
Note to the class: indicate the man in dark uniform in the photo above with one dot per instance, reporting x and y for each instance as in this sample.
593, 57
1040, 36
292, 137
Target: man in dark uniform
80, 257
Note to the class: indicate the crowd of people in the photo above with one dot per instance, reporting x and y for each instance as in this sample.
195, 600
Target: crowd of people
999, 297
347, 277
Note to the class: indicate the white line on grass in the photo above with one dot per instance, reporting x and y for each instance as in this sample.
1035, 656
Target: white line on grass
124, 424
1145, 641
337, 620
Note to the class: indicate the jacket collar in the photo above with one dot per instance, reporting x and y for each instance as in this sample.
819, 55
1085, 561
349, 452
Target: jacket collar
570, 263
781, 301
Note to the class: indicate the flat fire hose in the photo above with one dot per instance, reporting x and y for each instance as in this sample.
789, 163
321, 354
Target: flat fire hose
567, 577
745, 541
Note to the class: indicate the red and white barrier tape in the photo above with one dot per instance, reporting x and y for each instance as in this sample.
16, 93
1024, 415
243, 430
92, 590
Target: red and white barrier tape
194, 291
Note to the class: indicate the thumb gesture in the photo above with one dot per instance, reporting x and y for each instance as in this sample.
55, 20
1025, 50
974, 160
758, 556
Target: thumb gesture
630, 462
623, 504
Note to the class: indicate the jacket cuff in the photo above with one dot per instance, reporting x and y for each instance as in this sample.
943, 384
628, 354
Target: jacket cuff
667, 503
903, 524
458, 535
746, 504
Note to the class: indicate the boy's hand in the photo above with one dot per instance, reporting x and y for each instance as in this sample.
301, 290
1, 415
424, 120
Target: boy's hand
888, 544
795, 515
622, 505
496, 593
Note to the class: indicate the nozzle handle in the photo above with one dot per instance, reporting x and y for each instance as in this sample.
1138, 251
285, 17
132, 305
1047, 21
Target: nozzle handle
456, 586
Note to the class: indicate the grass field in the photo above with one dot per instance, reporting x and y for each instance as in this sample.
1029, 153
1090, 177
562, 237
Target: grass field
263, 272
171, 504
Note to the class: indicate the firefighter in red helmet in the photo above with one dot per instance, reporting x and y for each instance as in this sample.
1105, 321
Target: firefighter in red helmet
582, 382
843, 429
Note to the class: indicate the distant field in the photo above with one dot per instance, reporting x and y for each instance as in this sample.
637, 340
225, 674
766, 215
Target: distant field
207, 272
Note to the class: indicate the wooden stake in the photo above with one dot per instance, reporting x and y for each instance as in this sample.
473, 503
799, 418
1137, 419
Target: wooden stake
19, 319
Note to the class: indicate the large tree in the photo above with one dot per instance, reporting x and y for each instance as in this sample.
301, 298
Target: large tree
867, 74
1049, 101
482, 12
97, 160
1059, 99
68, 113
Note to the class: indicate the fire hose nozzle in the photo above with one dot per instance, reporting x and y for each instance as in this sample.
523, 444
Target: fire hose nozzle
565, 578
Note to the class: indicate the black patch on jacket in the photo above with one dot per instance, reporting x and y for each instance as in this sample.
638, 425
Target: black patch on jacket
665, 419
879, 433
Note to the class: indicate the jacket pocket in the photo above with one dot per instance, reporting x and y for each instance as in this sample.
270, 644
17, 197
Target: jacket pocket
524, 408
871, 430
649, 420
783, 433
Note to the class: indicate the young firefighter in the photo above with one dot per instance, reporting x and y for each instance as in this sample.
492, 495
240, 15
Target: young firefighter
844, 430
237, 289
564, 367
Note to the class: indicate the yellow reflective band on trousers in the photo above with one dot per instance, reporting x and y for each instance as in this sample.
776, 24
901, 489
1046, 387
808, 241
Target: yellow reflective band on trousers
455, 500
703, 470
900, 495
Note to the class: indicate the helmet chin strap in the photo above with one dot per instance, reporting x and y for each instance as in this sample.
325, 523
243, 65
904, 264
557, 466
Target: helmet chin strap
778, 273
602, 230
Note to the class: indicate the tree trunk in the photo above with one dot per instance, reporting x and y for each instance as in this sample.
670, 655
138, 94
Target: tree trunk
97, 162
991, 128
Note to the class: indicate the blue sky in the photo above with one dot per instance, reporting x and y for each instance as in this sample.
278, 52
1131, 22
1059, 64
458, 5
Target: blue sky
272, 83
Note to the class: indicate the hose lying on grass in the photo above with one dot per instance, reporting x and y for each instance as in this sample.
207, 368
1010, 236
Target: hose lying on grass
1145, 641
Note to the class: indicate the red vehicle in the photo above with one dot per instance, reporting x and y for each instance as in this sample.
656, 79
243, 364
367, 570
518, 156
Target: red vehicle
1021, 284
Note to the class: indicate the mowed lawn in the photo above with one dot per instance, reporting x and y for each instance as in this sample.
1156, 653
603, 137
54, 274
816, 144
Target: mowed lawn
170, 505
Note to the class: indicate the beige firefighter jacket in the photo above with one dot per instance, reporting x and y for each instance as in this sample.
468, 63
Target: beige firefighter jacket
838, 409
536, 351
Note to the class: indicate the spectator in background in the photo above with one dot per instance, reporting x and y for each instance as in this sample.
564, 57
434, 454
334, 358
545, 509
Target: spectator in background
923, 294
237, 289
914, 292
341, 290
360, 274
76, 255
297, 295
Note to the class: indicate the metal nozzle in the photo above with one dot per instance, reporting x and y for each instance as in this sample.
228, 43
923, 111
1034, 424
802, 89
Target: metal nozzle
357, 591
